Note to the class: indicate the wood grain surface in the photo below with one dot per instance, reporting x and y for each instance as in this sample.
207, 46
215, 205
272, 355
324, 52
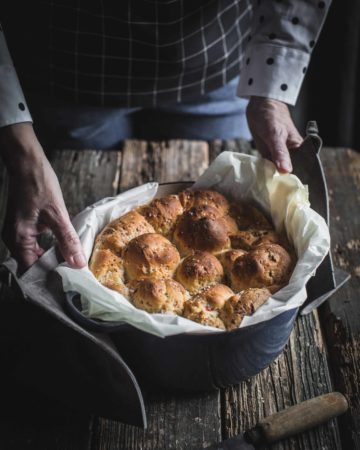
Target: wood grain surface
193, 421
340, 316
174, 422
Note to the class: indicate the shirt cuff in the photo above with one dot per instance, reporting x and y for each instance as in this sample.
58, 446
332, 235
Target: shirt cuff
13, 107
273, 71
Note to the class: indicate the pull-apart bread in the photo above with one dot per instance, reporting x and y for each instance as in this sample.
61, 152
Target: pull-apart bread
196, 255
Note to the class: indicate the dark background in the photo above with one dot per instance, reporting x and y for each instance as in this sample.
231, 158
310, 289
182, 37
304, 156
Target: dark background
331, 90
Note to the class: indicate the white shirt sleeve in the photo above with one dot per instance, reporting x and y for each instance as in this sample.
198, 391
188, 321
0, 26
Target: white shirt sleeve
13, 106
279, 46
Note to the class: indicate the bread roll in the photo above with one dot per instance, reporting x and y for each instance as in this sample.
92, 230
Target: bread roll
202, 228
203, 197
108, 269
228, 258
162, 213
247, 216
150, 255
159, 296
204, 308
245, 303
118, 233
199, 270
266, 265
250, 239
220, 242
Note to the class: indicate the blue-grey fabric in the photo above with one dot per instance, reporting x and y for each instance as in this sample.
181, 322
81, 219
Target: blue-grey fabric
219, 114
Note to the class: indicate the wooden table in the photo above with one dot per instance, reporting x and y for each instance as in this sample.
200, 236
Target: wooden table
322, 355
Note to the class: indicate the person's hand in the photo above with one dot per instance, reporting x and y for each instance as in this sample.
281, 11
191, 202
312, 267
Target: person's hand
273, 131
35, 202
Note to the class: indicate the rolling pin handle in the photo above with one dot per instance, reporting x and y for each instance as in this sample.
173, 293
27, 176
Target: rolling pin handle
297, 419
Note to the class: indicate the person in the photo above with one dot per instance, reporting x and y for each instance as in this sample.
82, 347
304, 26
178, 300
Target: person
101, 71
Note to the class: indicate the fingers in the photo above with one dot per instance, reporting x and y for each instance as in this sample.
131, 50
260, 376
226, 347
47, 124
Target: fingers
280, 153
22, 244
21, 240
273, 130
261, 146
68, 240
275, 149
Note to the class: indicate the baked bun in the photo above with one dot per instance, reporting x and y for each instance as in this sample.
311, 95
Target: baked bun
202, 228
266, 265
150, 255
138, 255
159, 296
118, 233
108, 269
250, 239
204, 308
228, 258
231, 225
201, 197
199, 270
245, 303
162, 213
249, 217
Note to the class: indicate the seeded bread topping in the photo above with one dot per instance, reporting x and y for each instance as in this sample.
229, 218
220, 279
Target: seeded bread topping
195, 255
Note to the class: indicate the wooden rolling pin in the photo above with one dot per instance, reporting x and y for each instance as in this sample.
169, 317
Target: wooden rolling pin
297, 418
286, 423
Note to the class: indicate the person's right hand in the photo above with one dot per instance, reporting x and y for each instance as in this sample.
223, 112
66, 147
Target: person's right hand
35, 202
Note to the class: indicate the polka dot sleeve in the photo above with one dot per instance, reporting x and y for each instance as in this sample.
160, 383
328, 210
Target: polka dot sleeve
13, 107
279, 46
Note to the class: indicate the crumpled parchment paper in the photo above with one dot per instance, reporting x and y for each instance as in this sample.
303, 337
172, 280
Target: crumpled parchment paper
237, 176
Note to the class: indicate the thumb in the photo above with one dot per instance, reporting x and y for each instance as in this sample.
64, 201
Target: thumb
280, 153
68, 241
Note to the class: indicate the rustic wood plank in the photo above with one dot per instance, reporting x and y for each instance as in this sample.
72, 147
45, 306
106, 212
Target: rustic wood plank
85, 176
340, 316
299, 373
162, 161
174, 422
237, 145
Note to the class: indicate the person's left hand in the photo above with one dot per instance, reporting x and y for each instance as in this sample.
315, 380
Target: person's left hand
273, 130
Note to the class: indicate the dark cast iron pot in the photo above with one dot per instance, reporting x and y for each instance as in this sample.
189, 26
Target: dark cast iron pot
202, 362
193, 361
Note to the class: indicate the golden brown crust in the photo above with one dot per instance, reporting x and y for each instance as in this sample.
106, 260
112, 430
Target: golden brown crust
250, 256
215, 295
108, 269
118, 233
232, 227
197, 311
202, 228
159, 296
250, 239
248, 216
162, 213
245, 303
203, 197
228, 258
199, 270
204, 308
150, 255
266, 265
